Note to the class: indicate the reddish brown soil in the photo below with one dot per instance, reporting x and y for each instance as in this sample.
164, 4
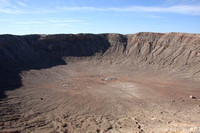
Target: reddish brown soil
74, 98
106, 83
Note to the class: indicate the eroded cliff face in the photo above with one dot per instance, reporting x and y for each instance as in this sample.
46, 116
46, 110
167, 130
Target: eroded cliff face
100, 83
180, 51
173, 50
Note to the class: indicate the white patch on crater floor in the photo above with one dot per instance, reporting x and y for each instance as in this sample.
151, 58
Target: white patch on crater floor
128, 88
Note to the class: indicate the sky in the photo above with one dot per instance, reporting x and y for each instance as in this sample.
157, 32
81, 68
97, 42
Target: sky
98, 16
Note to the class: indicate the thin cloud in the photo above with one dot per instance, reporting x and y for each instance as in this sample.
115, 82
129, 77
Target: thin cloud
30, 22
53, 21
6, 6
64, 20
181, 9
184, 2
21, 3
62, 24
10, 11
3, 20
4, 2
153, 16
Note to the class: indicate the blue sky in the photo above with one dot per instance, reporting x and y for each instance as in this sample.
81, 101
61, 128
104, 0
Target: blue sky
98, 16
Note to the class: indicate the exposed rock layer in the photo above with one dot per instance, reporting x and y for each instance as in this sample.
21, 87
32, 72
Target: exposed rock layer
101, 83
180, 51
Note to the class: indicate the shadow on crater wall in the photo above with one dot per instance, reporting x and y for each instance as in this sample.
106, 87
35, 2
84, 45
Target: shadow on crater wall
19, 53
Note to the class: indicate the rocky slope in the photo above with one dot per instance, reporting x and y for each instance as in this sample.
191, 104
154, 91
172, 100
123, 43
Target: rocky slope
100, 83
175, 50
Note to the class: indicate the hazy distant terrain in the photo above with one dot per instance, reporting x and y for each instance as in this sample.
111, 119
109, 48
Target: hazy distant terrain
100, 83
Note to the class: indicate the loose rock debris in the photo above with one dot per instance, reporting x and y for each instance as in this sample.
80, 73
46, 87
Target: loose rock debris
192, 97
109, 79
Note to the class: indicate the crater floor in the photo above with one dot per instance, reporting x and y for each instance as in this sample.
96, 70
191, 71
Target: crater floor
88, 96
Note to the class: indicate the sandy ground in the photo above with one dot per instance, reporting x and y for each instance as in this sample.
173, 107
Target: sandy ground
90, 97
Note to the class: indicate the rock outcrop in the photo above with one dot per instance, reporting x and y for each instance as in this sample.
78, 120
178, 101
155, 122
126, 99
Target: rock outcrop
180, 51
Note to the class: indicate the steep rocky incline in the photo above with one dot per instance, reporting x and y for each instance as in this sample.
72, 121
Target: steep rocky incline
180, 51
174, 50
19, 53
